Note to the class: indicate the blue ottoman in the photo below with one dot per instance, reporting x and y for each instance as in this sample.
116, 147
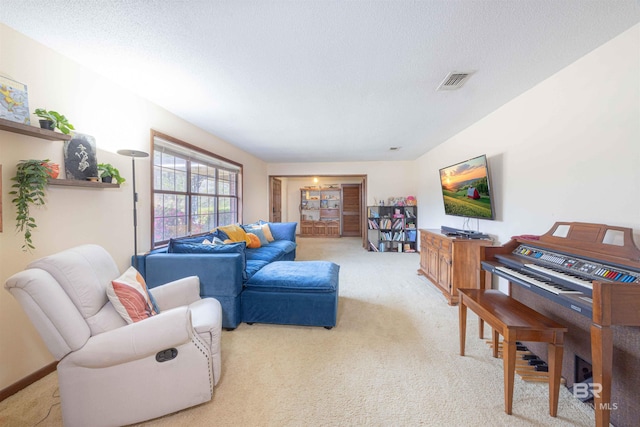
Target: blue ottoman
293, 293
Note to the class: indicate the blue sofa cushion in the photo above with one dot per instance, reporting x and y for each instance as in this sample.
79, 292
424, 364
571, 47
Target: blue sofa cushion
296, 276
253, 266
282, 230
199, 248
267, 253
191, 239
285, 246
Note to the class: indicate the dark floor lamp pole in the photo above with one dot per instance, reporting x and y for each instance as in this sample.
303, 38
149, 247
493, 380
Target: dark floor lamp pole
133, 154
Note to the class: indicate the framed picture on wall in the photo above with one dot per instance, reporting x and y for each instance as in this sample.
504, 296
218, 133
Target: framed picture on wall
14, 101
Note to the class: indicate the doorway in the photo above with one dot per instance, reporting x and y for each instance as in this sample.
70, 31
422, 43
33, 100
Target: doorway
276, 200
351, 210
284, 194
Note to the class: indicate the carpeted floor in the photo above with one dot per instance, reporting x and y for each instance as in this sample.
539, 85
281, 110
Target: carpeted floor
392, 360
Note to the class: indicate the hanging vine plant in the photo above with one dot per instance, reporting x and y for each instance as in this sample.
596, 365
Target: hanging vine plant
29, 189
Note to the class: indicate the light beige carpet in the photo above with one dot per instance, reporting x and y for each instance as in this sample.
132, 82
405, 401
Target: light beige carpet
392, 360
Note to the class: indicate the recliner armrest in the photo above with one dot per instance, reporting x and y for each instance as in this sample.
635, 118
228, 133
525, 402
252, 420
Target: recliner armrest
136, 341
177, 293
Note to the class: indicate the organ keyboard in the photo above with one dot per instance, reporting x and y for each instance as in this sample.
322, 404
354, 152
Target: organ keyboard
592, 269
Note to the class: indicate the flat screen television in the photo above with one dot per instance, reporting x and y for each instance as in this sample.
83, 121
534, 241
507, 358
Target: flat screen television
466, 189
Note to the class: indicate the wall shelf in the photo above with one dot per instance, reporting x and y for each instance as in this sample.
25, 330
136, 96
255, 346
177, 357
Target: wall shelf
79, 183
36, 132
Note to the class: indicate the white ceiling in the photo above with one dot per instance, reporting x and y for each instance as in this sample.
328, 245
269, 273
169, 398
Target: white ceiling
324, 80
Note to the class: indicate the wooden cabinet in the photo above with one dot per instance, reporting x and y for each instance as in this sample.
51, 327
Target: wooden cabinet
451, 262
320, 211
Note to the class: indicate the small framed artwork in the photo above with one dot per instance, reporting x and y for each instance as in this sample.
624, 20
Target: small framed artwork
80, 160
14, 101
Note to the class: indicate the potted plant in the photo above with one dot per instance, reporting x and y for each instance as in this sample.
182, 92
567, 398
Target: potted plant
30, 182
108, 173
52, 119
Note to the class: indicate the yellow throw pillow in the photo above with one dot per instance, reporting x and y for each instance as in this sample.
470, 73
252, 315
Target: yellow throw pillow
267, 232
255, 241
235, 233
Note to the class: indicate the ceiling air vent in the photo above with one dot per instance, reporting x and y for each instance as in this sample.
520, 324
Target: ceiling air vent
454, 80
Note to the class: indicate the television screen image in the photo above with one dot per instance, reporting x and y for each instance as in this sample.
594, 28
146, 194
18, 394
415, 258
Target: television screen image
466, 190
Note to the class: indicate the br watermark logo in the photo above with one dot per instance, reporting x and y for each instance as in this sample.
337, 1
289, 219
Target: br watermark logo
587, 391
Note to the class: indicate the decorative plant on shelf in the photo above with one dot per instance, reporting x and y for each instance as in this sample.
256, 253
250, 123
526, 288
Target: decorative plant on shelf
52, 119
107, 170
30, 183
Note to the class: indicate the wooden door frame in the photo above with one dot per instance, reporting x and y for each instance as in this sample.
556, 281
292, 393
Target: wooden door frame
271, 179
363, 195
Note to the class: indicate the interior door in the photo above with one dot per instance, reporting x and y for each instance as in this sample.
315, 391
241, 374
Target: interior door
276, 200
351, 208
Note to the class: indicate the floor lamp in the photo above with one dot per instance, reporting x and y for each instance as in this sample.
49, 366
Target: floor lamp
133, 154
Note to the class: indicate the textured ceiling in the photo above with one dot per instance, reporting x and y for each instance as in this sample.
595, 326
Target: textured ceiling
298, 81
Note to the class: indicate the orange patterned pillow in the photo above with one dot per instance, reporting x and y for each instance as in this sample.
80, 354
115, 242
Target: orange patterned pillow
130, 297
254, 241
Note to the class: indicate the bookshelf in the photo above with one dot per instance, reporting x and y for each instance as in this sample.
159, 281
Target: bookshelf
320, 209
392, 228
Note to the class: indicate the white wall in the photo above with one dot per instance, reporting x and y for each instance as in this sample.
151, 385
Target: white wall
566, 150
384, 179
73, 216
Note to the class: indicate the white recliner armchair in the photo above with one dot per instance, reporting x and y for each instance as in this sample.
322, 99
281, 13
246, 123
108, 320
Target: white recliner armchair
112, 373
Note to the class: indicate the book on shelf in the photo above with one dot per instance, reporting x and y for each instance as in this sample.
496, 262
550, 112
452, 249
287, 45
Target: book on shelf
373, 247
385, 223
398, 224
411, 235
399, 236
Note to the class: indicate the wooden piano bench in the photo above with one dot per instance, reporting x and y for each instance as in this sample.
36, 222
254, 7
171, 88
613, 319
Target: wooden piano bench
515, 322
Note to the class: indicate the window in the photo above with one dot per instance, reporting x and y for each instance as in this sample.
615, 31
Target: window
194, 191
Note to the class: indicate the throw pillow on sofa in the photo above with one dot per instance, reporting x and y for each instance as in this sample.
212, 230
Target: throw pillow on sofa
131, 298
216, 241
257, 230
267, 232
235, 233
255, 241
219, 234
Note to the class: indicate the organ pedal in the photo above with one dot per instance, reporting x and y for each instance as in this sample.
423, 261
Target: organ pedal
526, 371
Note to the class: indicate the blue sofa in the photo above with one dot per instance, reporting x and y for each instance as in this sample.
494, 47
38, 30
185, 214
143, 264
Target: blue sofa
222, 275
